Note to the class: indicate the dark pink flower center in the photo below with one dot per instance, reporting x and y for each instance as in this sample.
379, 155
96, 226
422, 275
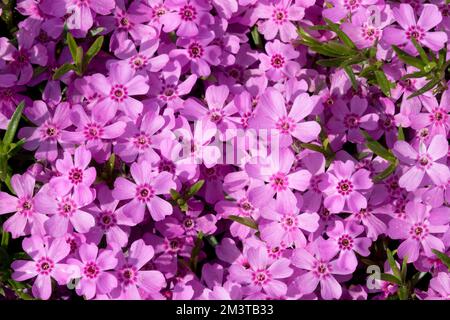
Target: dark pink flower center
141, 141
279, 15
419, 231
345, 187
128, 275
351, 121
277, 61
285, 124
279, 181
144, 192
261, 277
352, 5
415, 32
91, 270
45, 266
76, 175
188, 13
345, 242
118, 93
195, 50
67, 207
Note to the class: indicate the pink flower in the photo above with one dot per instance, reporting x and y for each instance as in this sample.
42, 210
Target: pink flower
277, 63
144, 193
263, 274
45, 265
418, 229
46, 137
186, 16
420, 30
75, 175
342, 187
423, 161
317, 261
271, 113
25, 220
279, 17
118, 90
94, 266
346, 242
283, 223
133, 281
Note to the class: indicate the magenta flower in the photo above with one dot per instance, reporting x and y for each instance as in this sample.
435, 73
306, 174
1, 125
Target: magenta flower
423, 161
271, 113
317, 261
97, 130
46, 137
351, 121
110, 221
343, 185
75, 175
263, 274
133, 281
118, 90
283, 223
280, 181
279, 17
277, 63
420, 30
21, 59
94, 268
45, 265
66, 213
199, 51
417, 230
186, 16
343, 8
346, 242
25, 220
144, 192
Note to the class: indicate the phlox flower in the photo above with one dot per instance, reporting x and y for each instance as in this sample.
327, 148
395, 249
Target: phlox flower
94, 265
417, 229
26, 219
45, 265
421, 162
317, 260
278, 62
419, 30
133, 279
144, 192
118, 90
263, 274
342, 187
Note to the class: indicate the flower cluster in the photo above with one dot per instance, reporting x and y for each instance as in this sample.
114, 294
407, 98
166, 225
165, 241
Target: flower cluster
205, 149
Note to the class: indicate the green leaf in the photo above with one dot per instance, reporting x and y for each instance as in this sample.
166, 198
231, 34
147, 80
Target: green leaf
79, 60
418, 74
174, 194
393, 264
5, 239
72, 47
63, 70
377, 148
390, 278
338, 49
341, 34
93, 50
409, 59
244, 221
194, 189
256, 37
306, 38
403, 293
401, 134
196, 251
13, 125
430, 85
313, 147
404, 269
15, 147
212, 241
352, 77
386, 172
96, 31
383, 82
332, 62
443, 257
421, 51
